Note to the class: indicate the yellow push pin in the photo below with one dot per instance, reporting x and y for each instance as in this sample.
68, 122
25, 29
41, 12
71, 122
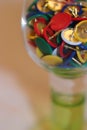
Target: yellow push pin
38, 52
42, 6
81, 59
32, 35
55, 5
81, 31
52, 60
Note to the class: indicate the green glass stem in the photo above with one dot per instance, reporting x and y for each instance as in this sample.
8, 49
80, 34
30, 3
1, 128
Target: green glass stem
68, 103
67, 111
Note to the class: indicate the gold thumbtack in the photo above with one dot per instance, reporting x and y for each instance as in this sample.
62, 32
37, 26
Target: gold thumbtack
74, 11
43, 6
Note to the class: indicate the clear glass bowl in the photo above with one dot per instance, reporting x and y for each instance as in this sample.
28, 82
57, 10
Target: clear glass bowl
55, 36
38, 24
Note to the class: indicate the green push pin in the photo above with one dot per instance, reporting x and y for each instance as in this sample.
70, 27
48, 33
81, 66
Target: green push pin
43, 46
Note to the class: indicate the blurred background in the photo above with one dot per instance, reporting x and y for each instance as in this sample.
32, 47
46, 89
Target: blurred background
24, 91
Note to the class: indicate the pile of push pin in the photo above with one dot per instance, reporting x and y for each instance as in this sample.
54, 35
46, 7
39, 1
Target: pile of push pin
58, 32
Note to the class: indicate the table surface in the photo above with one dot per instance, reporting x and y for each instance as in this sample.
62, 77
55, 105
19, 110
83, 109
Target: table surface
19, 75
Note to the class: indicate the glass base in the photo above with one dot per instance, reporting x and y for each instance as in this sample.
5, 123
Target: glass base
67, 113
46, 124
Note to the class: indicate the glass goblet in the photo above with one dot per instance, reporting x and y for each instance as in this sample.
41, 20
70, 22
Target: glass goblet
55, 36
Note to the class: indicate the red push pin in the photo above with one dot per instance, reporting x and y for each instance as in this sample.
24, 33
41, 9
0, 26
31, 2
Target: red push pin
78, 19
58, 22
